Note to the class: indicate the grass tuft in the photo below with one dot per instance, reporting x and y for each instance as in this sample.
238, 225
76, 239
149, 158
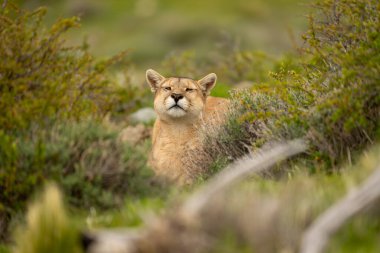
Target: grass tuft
48, 227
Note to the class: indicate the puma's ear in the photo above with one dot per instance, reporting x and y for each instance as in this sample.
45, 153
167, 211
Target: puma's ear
207, 83
154, 79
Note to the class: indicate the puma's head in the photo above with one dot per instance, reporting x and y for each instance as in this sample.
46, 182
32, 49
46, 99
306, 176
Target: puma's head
179, 98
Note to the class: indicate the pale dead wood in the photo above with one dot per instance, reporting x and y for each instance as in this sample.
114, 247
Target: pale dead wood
115, 241
124, 241
250, 164
316, 238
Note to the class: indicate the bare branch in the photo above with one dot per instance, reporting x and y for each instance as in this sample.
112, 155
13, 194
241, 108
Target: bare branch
316, 238
250, 164
112, 241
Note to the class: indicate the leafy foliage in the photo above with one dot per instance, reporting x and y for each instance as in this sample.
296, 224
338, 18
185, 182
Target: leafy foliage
331, 95
52, 100
41, 79
344, 48
87, 160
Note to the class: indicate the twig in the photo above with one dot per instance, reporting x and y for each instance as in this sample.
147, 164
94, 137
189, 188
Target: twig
316, 238
237, 171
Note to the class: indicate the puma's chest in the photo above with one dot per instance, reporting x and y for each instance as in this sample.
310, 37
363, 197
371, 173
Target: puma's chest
169, 153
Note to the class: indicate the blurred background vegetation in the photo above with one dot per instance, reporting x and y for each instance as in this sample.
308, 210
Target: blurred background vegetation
292, 69
156, 29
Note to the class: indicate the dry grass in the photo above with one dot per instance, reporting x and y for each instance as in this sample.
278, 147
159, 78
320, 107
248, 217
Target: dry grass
48, 227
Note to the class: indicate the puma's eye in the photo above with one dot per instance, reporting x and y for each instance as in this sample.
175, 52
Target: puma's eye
189, 89
167, 88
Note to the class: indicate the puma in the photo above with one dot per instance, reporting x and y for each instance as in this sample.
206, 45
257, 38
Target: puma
183, 107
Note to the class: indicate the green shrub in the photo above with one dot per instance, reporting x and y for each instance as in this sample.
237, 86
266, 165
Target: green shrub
52, 100
330, 95
87, 160
42, 80
344, 49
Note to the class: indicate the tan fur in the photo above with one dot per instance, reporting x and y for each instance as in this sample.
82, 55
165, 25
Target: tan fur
177, 131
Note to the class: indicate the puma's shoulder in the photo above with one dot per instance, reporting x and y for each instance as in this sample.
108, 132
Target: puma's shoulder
216, 110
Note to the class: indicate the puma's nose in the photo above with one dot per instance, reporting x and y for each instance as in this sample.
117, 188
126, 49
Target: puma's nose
176, 97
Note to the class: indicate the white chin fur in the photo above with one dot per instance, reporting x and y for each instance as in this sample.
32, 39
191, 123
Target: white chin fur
176, 112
